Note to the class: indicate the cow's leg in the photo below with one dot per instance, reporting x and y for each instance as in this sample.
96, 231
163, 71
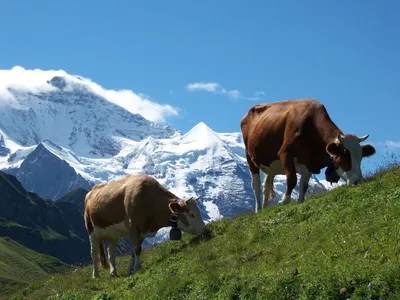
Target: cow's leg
137, 251
135, 264
304, 179
256, 186
136, 241
268, 189
132, 237
291, 178
255, 182
94, 251
131, 263
112, 248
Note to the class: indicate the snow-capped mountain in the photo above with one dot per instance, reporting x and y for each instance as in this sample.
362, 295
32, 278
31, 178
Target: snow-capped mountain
47, 175
199, 163
64, 135
71, 115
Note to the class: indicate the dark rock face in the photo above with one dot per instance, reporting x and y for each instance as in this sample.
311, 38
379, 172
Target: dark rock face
58, 82
3, 149
77, 197
47, 175
45, 226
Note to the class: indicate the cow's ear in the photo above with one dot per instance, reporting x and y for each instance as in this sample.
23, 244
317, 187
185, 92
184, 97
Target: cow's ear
333, 149
194, 199
175, 207
368, 150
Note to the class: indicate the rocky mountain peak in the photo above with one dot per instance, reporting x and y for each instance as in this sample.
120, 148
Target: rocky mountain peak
58, 82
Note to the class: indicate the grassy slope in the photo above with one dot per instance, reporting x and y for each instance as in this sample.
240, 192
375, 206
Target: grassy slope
42, 225
341, 244
20, 266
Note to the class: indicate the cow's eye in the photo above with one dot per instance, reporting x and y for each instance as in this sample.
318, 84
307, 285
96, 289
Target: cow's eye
192, 215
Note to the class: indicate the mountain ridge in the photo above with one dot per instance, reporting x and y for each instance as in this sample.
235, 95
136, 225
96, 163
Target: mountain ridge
45, 226
61, 133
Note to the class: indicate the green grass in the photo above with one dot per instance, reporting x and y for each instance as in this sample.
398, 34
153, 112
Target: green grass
20, 266
344, 244
10, 224
50, 234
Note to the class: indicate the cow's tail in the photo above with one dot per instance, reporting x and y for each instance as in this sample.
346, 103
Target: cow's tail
103, 259
88, 223
89, 228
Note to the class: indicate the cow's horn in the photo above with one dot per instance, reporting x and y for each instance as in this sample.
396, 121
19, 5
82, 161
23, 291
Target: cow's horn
340, 137
363, 138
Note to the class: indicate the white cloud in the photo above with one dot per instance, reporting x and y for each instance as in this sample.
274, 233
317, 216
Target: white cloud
392, 144
205, 86
36, 81
253, 98
389, 145
212, 87
233, 93
258, 96
216, 88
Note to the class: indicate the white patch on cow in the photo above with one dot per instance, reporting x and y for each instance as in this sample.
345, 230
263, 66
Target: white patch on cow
114, 231
94, 251
352, 144
112, 249
276, 168
268, 189
195, 224
285, 200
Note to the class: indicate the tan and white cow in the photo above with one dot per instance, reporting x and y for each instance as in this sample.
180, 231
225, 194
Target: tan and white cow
136, 206
298, 136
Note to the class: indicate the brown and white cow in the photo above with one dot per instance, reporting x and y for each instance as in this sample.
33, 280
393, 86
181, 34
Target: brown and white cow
298, 136
136, 206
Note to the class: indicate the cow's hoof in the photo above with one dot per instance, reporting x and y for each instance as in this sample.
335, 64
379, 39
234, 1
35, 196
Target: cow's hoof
113, 274
131, 272
138, 267
285, 200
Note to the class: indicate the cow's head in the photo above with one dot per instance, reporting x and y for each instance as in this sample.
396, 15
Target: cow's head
347, 153
190, 219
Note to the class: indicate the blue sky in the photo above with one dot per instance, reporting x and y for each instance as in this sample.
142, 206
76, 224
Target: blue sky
213, 60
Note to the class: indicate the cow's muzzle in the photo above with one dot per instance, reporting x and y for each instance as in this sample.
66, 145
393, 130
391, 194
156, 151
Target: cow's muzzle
175, 234
331, 175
